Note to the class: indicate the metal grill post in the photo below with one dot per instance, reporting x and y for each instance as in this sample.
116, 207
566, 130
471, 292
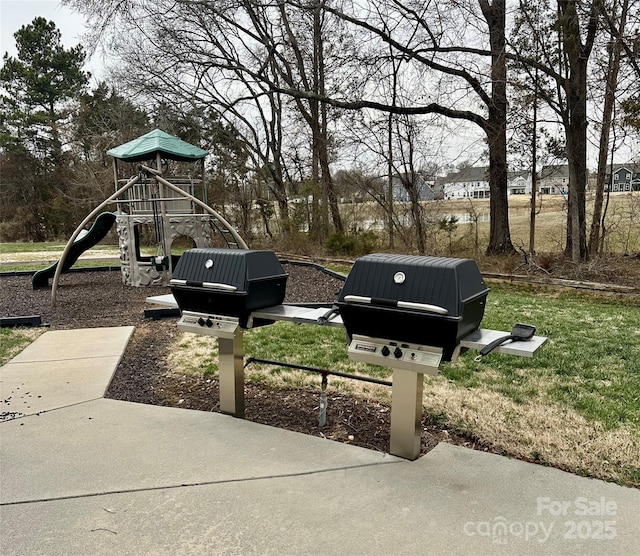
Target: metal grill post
406, 413
231, 374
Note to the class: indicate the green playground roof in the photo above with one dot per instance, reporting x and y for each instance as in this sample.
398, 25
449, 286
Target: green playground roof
157, 141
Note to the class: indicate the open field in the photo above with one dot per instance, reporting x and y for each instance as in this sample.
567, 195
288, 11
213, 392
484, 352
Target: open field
623, 230
623, 223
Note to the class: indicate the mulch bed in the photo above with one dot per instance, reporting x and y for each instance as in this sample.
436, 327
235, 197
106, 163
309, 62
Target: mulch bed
99, 299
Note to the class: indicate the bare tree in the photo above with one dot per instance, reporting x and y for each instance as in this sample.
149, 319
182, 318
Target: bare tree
306, 64
615, 50
234, 57
431, 41
566, 43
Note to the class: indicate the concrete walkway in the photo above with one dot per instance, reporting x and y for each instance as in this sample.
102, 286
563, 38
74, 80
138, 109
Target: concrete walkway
84, 475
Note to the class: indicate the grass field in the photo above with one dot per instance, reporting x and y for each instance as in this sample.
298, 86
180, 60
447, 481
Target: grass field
623, 222
34, 256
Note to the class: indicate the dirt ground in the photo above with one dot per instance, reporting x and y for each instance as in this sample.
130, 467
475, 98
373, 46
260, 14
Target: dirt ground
97, 299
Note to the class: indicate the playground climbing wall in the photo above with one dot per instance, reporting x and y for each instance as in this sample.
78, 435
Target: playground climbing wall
140, 270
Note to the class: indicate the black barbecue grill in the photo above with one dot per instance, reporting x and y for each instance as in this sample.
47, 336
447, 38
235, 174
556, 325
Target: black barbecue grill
229, 282
430, 301
403, 312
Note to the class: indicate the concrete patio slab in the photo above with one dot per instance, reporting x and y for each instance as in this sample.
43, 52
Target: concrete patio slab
30, 388
61, 368
114, 446
431, 506
83, 343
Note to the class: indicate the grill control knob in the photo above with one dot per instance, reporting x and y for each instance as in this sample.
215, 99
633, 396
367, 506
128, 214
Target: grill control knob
385, 351
397, 353
201, 321
209, 323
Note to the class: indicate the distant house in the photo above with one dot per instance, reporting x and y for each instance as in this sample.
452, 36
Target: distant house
426, 187
468, 183
473, 183
519, 183
626, 177
554, 179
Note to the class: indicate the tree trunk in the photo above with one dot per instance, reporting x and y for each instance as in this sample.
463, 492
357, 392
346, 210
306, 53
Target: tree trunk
273, 162
416, 211
327, 180
576, 130
575, 120
500, 236
318, 229
534, 176
323, 150
576, 246
280, 192
613, 68
496, 130
389, 203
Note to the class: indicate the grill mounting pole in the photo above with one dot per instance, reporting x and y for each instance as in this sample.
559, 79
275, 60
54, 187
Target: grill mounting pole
231, 374
406, 414
322, 415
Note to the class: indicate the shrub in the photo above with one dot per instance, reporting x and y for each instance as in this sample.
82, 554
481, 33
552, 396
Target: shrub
358, 243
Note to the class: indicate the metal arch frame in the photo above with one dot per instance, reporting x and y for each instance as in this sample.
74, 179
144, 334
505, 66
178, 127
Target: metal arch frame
76, 233
113, 198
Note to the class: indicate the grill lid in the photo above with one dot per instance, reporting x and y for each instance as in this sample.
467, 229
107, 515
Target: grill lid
229, 282
229, 270
432, 284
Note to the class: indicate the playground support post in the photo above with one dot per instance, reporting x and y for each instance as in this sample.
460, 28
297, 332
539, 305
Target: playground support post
91, 216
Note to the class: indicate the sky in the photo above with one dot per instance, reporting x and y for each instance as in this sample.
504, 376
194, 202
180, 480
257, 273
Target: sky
16, 13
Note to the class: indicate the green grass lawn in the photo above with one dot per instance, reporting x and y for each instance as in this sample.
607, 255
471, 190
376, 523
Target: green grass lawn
47, 246
14, 340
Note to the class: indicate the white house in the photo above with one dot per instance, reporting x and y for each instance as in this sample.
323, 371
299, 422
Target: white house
469, 183
519, 183
473, 183
554, 179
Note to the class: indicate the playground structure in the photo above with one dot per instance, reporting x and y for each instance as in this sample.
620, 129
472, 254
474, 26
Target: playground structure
152, 202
